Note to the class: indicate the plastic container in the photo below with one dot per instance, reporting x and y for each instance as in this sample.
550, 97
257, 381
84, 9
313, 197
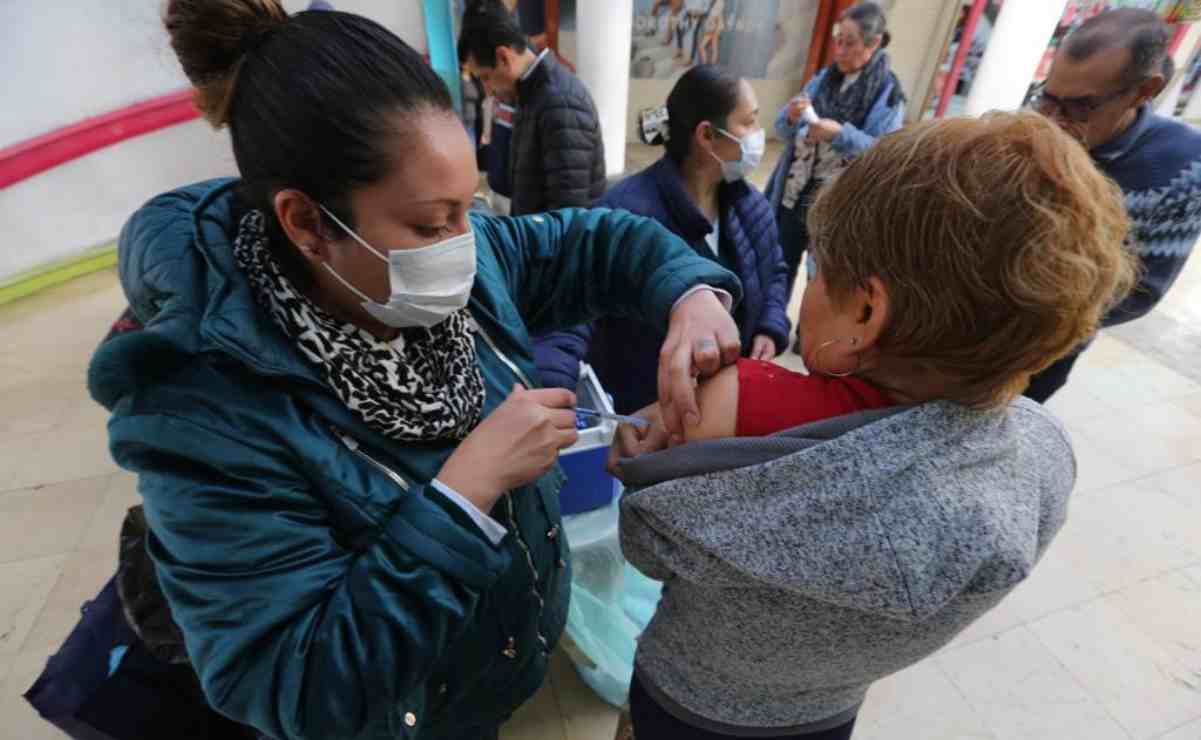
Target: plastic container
589, 486
611, 604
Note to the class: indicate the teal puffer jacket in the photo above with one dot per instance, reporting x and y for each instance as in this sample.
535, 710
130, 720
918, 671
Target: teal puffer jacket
324, 590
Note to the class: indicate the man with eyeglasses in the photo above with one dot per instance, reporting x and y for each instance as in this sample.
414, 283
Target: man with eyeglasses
1100, 90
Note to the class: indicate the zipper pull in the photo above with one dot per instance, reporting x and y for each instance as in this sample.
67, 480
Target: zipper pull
510, 651
344, 438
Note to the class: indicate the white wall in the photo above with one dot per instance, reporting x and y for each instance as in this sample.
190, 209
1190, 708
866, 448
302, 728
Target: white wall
606, 75
402, 17
84, 203
67, 60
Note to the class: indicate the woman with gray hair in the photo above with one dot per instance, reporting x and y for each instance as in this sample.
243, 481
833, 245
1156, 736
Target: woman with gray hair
837, 117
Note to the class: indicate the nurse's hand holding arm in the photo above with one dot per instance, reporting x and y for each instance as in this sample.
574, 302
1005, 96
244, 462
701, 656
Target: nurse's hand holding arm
702, 338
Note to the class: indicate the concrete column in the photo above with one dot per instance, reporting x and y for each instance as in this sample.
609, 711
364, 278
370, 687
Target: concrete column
1168, 100
1017, 45
1166, 104
604, 34
1192, 111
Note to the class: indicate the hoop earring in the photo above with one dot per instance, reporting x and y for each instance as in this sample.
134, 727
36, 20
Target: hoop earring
818, 354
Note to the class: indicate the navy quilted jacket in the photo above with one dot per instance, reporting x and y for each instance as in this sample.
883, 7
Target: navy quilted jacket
625, 353
556, 156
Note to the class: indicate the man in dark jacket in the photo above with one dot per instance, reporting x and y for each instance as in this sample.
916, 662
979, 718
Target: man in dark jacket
557, 158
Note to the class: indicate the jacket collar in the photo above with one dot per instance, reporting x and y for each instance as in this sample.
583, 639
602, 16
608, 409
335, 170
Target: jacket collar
534, 65
232, 319
1121, 145
538, 76
180, 275
693, 223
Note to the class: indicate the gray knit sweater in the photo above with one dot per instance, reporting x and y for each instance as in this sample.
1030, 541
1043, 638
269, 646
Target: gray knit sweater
830, 556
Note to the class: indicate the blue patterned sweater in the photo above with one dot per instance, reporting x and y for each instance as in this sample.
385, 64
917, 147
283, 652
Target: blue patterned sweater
1157, 163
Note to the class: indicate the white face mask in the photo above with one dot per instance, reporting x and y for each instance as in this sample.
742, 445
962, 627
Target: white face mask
752, 146
427, 284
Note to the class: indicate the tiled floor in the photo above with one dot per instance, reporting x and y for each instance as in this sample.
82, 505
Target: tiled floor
1103, 641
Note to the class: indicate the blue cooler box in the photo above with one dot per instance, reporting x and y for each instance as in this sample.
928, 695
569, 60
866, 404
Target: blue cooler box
589, 486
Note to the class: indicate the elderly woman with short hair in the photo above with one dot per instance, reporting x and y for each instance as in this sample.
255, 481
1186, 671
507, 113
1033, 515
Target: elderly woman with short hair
954, 260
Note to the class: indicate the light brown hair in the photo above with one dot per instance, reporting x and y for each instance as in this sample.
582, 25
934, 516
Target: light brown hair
999, 242
211, 39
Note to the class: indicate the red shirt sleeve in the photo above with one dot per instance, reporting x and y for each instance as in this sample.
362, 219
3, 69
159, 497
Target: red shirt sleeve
772, 398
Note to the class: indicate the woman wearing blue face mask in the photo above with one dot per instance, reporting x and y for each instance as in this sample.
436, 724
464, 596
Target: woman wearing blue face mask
347, 469
697, 190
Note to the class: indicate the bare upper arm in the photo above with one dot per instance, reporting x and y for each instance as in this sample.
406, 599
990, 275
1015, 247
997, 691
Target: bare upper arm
717, 398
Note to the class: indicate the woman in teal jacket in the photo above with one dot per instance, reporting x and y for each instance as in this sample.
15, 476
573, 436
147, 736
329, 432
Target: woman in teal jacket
347, 471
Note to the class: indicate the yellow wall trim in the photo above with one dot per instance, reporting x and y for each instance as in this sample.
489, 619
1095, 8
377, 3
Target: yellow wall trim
57, 273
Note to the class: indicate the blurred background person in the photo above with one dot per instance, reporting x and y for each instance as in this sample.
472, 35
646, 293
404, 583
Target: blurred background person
556, 155
698, 190
838, 116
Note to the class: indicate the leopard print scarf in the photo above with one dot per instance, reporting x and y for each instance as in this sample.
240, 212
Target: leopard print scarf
425, 385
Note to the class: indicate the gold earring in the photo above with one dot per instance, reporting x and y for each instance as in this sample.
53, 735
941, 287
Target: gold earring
817, 357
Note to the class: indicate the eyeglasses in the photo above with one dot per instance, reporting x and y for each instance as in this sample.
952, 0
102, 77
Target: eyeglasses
845, 39
1076, 110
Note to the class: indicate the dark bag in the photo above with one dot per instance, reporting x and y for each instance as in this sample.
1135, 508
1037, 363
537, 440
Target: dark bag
110, 681
103, 684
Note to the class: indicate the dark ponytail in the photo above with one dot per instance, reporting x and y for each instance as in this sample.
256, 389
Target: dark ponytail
872, 22
704, 93
309, 99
